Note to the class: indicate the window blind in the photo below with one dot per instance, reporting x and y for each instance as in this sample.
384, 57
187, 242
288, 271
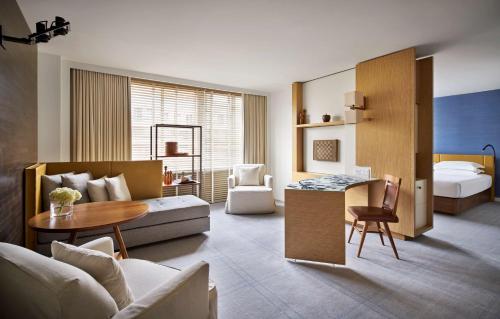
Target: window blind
218, 112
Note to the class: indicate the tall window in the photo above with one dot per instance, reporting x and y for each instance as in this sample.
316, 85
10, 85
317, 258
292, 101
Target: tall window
219, 113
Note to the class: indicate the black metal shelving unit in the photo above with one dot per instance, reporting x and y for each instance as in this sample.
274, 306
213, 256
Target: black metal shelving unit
153, 153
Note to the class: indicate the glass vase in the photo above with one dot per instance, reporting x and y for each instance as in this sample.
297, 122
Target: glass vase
60, 209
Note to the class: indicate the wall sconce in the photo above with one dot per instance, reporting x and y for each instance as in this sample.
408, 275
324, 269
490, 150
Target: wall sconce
355, 102
494, 154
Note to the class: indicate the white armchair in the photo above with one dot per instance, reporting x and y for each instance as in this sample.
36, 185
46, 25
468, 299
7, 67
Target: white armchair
35, 286
256, 198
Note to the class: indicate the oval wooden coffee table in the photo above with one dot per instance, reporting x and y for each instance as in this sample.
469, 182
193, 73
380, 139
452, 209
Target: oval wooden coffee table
92, 216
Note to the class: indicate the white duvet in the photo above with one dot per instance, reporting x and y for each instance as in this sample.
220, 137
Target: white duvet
459, 184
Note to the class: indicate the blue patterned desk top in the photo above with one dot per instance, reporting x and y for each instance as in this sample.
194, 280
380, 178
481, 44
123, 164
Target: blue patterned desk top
332, 183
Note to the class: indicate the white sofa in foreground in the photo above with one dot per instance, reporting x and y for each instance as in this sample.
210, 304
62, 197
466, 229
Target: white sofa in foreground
250, 197
36, 286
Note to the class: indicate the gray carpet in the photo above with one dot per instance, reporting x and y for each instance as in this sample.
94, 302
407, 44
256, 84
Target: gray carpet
453, 271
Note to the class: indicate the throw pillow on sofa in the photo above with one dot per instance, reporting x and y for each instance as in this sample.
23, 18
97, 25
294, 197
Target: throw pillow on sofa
117, 188
249, 176
49, 183
78, 182
97, 190
104, 268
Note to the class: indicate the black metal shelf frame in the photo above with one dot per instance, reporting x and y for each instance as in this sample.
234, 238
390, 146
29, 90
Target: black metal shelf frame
153, 134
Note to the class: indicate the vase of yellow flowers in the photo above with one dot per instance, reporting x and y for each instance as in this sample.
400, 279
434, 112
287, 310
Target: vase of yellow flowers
61, 201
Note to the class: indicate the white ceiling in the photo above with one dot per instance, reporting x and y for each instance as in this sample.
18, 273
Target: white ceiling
265, 45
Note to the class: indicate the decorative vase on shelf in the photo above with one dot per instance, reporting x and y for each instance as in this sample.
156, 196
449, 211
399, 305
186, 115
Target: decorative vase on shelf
302, 117
326, 118
61, 201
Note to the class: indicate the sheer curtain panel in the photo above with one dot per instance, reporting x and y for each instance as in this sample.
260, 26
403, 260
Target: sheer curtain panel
255, 108
100, 116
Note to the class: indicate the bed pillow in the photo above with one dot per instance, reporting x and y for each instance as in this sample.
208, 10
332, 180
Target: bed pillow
462, 165
249, 176
472, 170
78, 182
49, 183
97, 190
117, 188
458, 172
103, 267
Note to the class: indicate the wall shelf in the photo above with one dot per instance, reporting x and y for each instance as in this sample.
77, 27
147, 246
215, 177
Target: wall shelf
333, 123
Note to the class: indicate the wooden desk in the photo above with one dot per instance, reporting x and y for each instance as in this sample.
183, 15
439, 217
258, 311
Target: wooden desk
315, 218
91, 216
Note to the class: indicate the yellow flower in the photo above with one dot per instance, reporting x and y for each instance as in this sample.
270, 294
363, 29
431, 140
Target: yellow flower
64, 195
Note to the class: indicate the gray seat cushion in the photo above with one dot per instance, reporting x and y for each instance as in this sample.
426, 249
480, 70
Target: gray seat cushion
172, 209
161, 211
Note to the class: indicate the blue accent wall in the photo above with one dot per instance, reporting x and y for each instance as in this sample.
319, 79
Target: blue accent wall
464, 123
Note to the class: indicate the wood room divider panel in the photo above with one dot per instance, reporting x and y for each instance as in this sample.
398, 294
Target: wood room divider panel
387, 139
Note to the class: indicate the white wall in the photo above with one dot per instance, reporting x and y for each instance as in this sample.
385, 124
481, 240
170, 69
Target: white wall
280, 139
49, 105
321, 96
326, 96
54, 79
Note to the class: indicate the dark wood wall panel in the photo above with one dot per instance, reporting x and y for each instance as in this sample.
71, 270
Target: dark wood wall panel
18, 120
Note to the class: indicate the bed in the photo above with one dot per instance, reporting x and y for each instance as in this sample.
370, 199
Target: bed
456, 191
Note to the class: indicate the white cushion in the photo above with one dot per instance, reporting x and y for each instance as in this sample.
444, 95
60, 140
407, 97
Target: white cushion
35, 286
451, 171
78, 182
250, 200
462, 165
97, 190
249, 176
185, 295
144, 276
102, 244
262, 172
117, 188
103, 267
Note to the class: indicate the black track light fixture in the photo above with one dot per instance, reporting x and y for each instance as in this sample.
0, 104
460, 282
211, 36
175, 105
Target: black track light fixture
43, 32
61, 29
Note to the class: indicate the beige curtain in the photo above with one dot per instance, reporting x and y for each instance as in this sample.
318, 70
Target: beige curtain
254, 135
100, 116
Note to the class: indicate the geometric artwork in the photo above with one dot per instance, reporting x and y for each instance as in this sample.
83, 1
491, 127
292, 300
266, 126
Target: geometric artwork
326, 150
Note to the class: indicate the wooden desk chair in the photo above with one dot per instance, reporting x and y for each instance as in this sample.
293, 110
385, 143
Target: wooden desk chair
376, 215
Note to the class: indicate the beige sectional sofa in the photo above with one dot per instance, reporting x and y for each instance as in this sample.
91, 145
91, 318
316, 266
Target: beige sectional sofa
168, 217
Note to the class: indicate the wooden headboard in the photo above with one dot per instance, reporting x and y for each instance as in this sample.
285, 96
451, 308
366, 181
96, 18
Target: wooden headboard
488, 161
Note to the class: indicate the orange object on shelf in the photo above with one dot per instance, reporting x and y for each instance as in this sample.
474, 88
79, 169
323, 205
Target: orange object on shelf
168, 176
171, 148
